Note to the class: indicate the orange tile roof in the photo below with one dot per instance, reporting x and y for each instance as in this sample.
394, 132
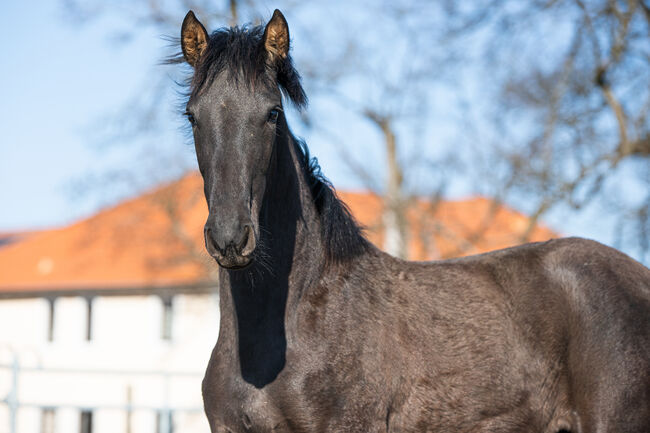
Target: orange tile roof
157, 239
449, 228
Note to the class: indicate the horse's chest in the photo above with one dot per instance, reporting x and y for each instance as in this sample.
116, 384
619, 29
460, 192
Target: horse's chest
234, 406
235, 409
254, 412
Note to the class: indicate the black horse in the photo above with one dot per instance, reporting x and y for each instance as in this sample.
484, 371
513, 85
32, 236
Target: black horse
322, 332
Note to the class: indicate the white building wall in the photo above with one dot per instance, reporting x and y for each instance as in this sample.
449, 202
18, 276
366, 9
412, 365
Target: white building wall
23, 322
69, 320
131, 320
121, 366
145, 421
110, 421
29, 420
65, 420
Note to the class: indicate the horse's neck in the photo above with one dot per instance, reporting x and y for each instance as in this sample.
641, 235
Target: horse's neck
256, 300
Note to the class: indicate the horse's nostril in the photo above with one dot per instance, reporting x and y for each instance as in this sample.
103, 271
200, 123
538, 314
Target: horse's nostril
211, 241
244, 239
247, 246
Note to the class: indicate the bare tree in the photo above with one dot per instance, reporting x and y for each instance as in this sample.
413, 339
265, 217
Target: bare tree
382, 72
569, 92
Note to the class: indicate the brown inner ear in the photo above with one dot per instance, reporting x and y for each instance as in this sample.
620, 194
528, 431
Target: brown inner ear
276, 36
277, 42
194, 39
194, 45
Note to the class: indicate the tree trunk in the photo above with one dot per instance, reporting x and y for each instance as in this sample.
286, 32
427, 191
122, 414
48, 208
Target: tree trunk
394, 217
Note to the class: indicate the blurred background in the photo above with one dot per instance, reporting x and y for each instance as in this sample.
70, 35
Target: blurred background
448, 127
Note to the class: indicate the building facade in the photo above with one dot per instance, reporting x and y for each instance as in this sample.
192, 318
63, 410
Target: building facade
105, 361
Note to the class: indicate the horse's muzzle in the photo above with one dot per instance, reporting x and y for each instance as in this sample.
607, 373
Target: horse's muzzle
234, 252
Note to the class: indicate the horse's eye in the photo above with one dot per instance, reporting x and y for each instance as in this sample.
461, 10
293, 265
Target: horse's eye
191, 118
273, 115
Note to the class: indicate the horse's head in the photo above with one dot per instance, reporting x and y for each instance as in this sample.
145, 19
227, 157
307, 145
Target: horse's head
235, 109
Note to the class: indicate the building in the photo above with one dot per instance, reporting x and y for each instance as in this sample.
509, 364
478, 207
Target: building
106, 325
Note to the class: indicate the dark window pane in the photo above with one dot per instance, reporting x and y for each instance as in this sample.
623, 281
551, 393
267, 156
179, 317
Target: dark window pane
86, 421
47, 420
167, 317
89, 317
164, 422
50, 324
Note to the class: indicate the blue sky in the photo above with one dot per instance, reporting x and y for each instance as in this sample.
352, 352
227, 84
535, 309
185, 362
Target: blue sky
58, 80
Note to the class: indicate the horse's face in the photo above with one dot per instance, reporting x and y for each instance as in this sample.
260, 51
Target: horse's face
234, 133
234, 126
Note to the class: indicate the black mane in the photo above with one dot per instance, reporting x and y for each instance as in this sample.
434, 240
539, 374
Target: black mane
342, 235
240, 49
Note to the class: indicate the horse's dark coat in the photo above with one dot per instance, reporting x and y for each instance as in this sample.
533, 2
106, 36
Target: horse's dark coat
320, 331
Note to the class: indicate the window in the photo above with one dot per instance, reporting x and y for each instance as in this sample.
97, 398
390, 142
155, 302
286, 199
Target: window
47, 420
164, 422
50, 323
86, 425
89, 319
167, 316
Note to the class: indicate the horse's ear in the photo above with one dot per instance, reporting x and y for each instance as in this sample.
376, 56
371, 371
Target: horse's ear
276, 37
194, 39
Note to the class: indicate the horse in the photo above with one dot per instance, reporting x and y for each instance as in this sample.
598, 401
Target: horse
322, 332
